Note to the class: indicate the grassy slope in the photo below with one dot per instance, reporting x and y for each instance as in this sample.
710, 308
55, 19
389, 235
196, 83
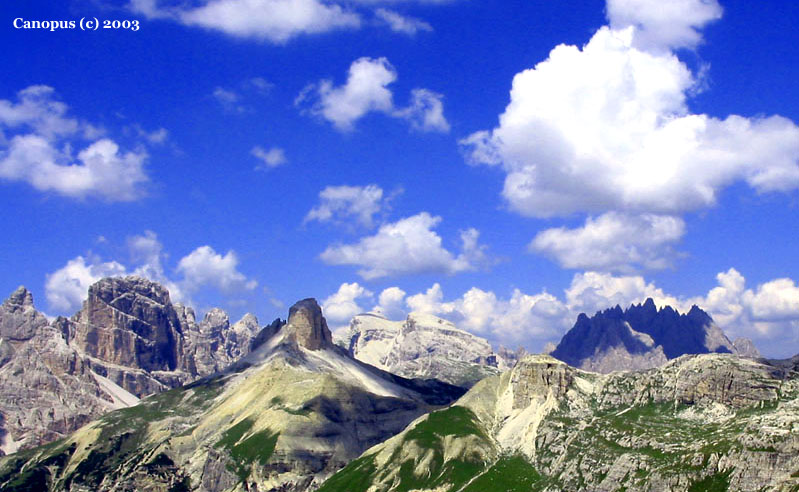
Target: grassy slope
430, 435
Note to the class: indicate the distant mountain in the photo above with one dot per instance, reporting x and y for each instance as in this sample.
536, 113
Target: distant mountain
642, 337
424, 346
283, 418
127, 341
700, 423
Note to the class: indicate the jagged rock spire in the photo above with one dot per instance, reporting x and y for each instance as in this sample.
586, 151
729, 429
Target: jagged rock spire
19, 320
307, 325
21, 297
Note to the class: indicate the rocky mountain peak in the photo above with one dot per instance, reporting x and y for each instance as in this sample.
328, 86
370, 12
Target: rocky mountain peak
214, 322
248, 322
745, 348
111, 289
639, 337
19, 320
130, 321
127, 341
20, 298
307, 325
698, 315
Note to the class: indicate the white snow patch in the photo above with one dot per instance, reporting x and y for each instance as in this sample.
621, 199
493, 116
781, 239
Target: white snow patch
351, 371
584, 385
642, 337
121, 397
9, 445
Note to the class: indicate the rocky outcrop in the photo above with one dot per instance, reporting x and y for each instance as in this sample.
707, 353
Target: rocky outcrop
130, 322
642, 337
128, 341
307, 326
424, 346
19, 320
701, 422
745, 348
214, 343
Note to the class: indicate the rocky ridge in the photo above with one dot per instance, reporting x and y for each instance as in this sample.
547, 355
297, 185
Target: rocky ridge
701, 422
642, 337
285, 417
127, 341
424, 346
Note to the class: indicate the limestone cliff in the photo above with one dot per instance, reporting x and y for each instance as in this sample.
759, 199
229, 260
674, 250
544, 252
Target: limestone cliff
423, 346
127, 341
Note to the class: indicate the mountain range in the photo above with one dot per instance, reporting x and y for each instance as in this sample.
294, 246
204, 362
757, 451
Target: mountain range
158, 401
643, 336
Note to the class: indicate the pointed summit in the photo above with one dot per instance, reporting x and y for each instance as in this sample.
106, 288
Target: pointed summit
21, 297
308, 326
19, 320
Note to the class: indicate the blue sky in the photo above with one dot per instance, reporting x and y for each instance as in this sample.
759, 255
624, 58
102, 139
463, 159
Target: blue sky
506, 167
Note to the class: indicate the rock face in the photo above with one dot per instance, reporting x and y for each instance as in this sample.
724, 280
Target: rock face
127, 341
701, 422
19, 320
284, 418
130, 322
307, 325
214, 343
48, 389
423, 346
745, 348
642, 337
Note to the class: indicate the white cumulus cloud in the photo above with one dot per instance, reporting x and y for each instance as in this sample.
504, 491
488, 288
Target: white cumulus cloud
39, 151
777, 300
606, 128
426, 112
391, 303
275, 21
346, 204
340, 307
614, 242
664, 25
66, 288
408, 246
367, 90
205, 267
279, 21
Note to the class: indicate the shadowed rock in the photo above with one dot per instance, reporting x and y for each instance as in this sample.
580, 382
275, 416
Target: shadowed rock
641, 337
